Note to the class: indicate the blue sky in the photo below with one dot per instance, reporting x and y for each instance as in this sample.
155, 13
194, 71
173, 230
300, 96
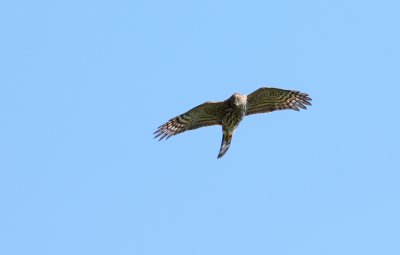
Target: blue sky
84, 84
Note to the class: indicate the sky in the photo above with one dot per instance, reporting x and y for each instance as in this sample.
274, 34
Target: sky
84, 84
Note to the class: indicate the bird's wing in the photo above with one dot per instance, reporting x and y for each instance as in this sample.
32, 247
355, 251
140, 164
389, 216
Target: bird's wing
271, 99
207, 114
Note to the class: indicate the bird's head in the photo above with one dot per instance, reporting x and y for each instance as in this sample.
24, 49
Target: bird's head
238, 99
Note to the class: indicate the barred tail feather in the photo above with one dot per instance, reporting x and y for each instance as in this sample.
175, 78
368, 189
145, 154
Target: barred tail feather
226, 141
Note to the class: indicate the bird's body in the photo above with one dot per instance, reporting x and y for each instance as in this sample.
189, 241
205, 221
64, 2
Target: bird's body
229, 113
231, 119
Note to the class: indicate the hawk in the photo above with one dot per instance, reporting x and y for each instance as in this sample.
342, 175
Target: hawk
229, 113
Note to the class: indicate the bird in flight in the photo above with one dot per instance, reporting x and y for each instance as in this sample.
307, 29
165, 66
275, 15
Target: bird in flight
229, 113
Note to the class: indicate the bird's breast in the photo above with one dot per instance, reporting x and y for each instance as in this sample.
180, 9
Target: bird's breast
233, 116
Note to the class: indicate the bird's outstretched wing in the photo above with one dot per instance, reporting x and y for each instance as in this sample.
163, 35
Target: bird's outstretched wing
271, 99
207, 114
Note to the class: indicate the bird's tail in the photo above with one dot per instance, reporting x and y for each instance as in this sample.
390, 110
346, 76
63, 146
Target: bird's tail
226, 141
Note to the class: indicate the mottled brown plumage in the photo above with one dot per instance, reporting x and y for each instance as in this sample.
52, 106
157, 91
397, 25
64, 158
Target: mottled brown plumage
230, 112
